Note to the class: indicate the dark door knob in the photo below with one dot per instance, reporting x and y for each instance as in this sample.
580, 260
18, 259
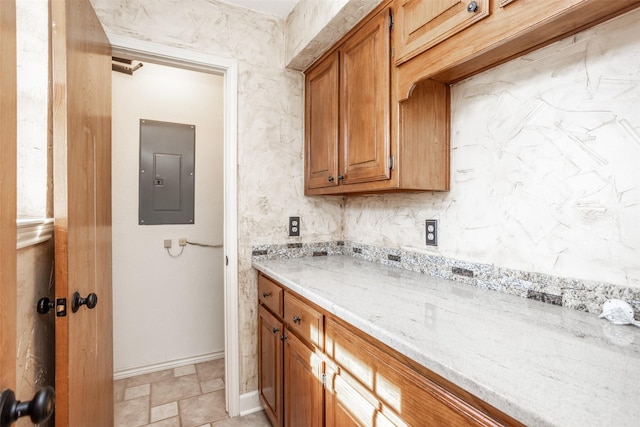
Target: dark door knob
39, 409
90, 301
44, 305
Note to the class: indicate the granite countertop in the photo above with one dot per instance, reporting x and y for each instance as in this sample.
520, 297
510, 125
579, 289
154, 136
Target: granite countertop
539, 363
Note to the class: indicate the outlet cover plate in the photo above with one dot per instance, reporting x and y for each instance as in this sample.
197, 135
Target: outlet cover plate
294, 226
431, 228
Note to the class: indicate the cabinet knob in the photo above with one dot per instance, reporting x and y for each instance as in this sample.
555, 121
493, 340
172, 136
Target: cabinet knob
472, 7
296, 319
341, 177
266, 294
275, 330
330, 179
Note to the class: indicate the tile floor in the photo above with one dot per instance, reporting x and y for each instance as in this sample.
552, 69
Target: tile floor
189, 396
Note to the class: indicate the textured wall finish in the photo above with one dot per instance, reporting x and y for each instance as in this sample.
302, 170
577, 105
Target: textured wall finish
36, 346
544, 166
32, 17
270, 135
313, 26
35, 340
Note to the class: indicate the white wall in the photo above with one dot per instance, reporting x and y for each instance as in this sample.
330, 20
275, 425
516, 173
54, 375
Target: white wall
544, 166
167, 309
32, 38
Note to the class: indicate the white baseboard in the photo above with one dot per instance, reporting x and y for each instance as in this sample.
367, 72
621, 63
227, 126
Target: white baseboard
147, 369
250, 403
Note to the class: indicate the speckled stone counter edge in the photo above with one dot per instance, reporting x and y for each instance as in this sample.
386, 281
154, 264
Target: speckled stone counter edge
577, 294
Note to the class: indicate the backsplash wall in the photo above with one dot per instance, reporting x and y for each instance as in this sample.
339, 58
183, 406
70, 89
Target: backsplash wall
544, 173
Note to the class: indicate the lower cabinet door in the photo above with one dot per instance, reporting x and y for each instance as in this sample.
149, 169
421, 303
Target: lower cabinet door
270, 365
303, 389
349, 404
344, 406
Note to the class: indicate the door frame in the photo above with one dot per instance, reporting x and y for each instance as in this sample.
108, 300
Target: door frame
8, 201
228, 67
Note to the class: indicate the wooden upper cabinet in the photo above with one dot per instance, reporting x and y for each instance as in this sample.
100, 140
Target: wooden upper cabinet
421, 24
348, 143
365, 103
321, 124
456, 49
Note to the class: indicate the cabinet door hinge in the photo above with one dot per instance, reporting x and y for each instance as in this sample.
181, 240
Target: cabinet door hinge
391, 21
392, 162
393, 52
324, 380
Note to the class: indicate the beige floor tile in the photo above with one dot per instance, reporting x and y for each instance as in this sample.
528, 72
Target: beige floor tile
171, 422
203, 409
257, 419
172, 389
132, 413
184, 370
210, 370
137, 391
118, 390
149, 378
162, 412
208, 386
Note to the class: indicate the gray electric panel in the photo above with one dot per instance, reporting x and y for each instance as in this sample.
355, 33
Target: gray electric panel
167, 173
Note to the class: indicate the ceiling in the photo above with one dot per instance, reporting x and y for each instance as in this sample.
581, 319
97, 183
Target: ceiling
279, 8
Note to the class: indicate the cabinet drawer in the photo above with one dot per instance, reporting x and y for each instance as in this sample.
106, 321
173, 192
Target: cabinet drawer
270, 294
304, 320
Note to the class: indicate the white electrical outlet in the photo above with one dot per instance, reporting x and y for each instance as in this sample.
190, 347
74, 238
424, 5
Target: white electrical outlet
167, 243
182, 241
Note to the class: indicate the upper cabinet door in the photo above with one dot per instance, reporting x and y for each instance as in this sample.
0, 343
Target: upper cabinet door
365, 103
422, 24
321, 123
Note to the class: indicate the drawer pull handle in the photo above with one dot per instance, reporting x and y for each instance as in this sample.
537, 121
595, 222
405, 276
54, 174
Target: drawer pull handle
275, 330
266, 294
296, 319
472, 7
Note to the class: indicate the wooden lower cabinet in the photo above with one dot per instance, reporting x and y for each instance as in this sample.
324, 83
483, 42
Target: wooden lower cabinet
378, 388
303, 389
270, 365
348, 378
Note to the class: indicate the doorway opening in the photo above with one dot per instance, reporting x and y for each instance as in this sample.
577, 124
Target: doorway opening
226, 68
